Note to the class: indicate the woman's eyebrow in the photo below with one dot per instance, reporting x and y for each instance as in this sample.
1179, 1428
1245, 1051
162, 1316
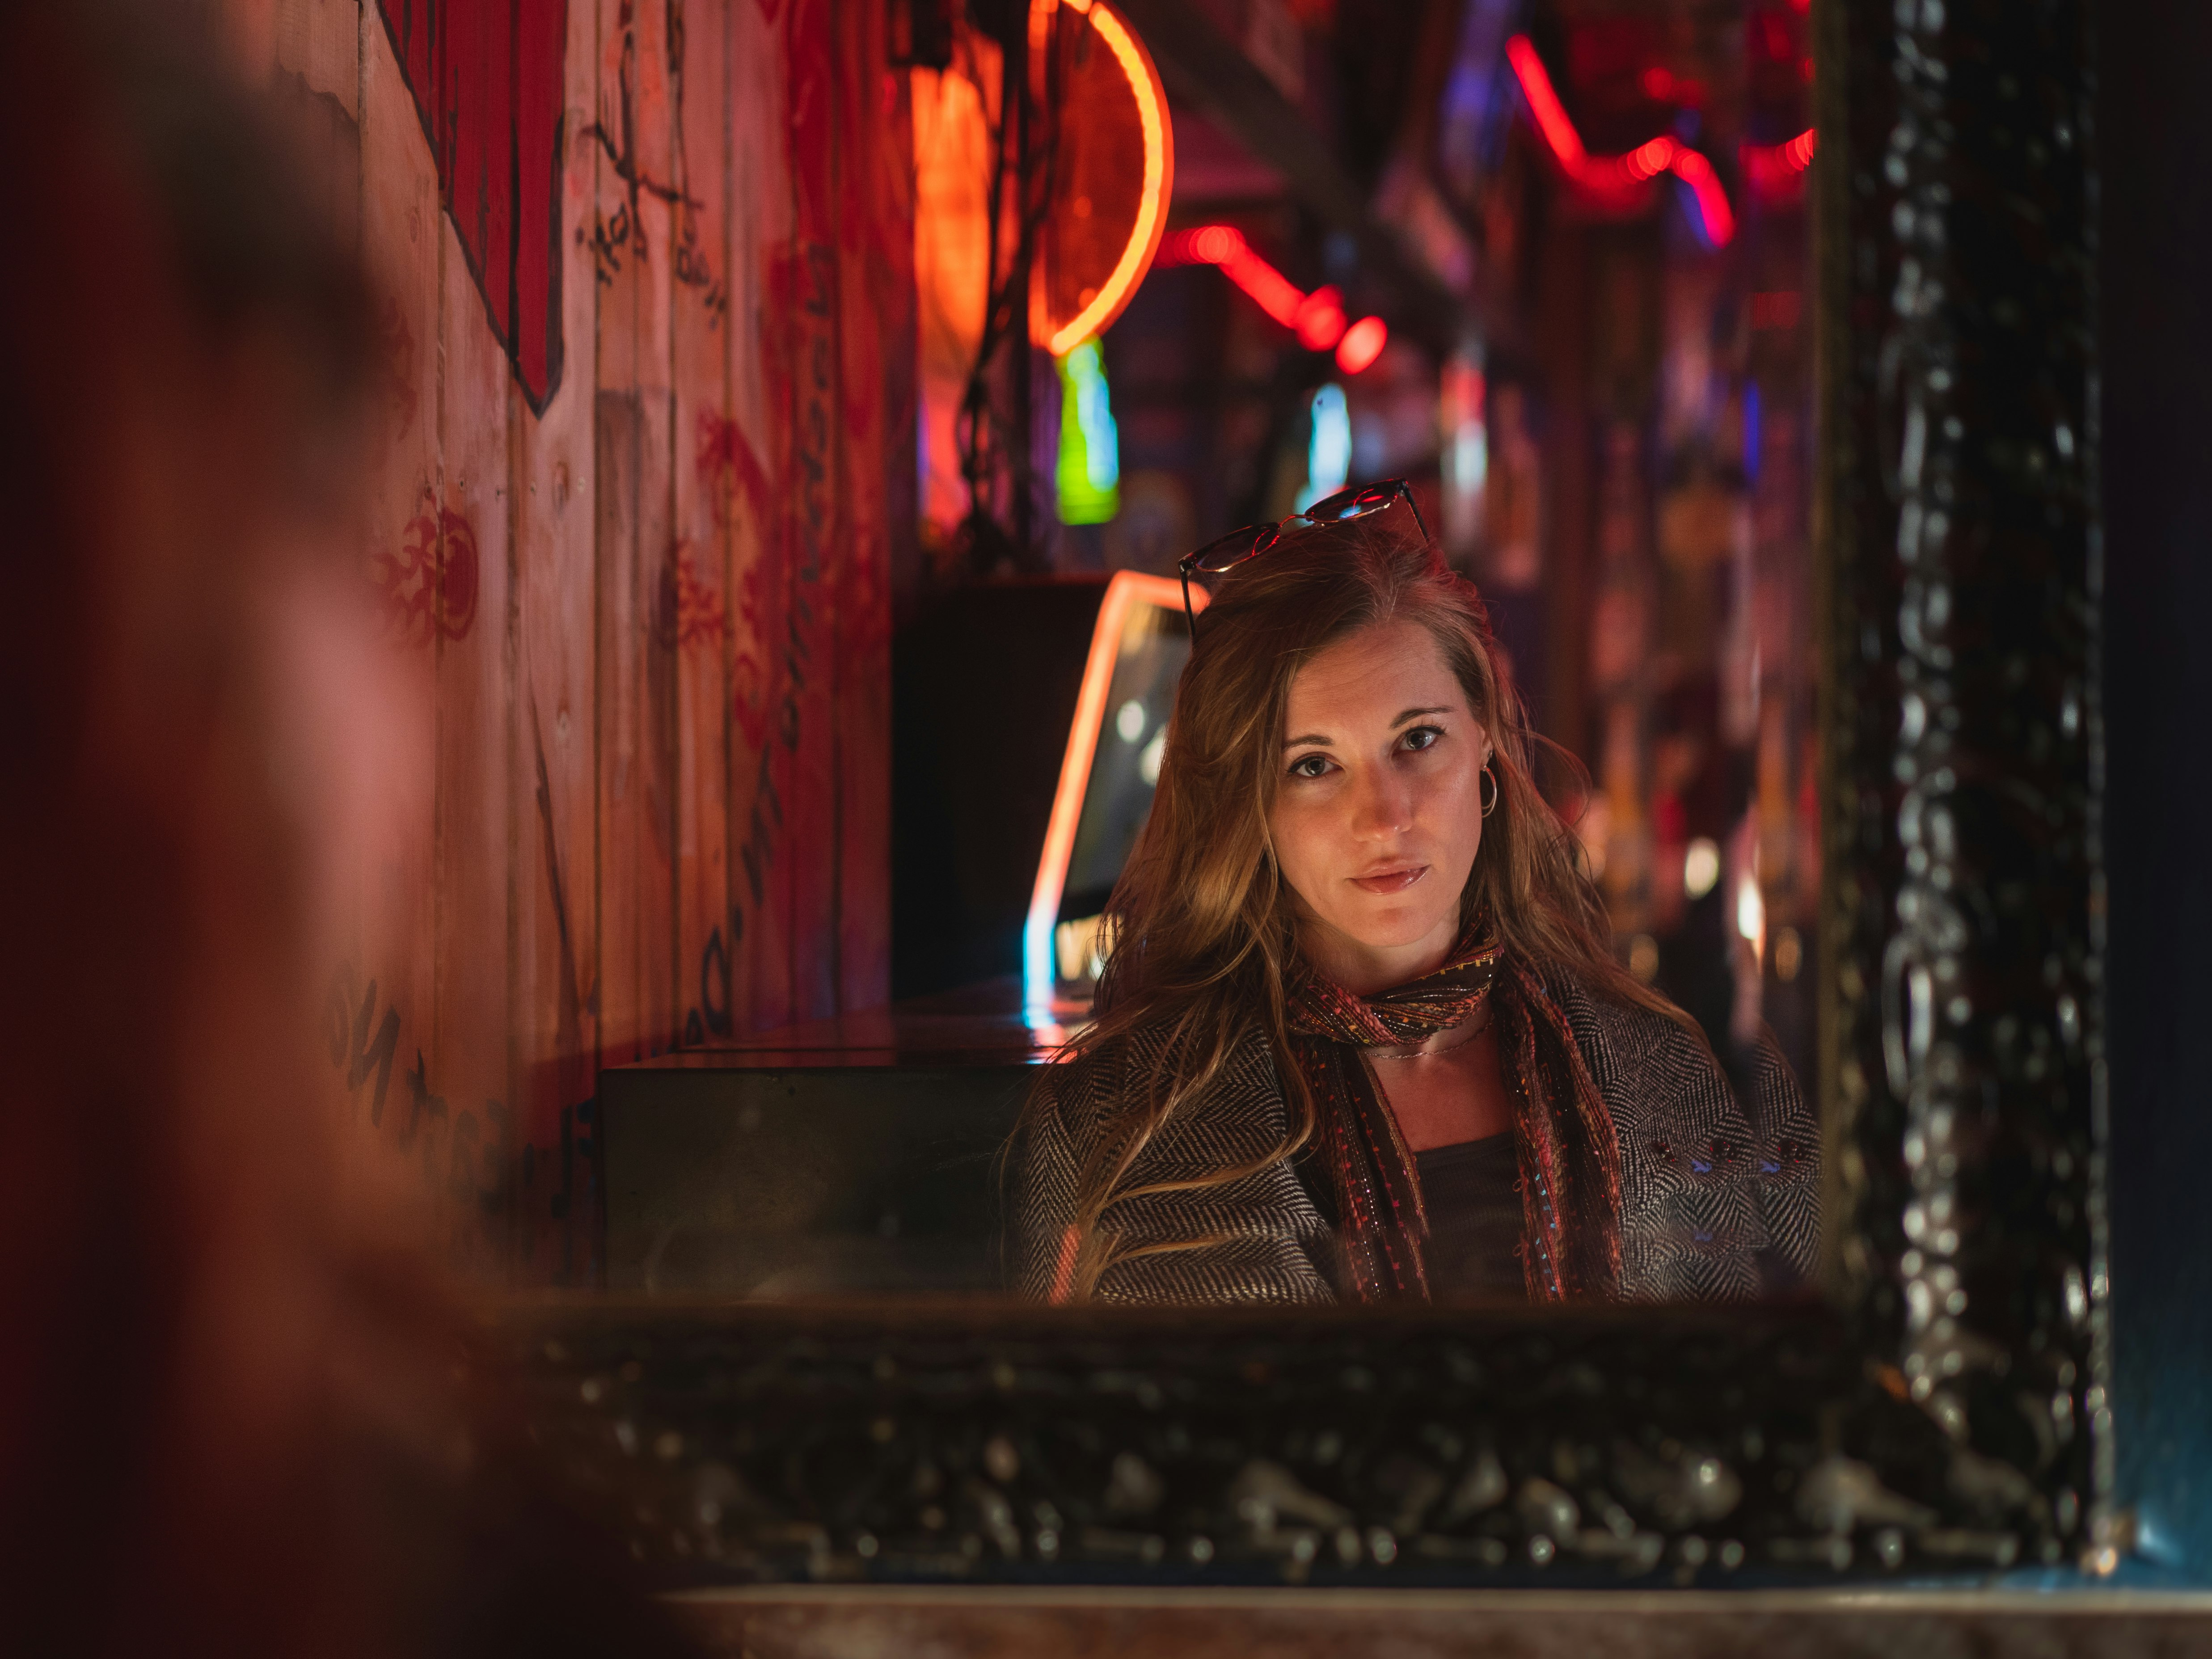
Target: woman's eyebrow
1321, 739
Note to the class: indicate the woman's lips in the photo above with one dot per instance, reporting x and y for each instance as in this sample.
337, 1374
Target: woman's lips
1391, 881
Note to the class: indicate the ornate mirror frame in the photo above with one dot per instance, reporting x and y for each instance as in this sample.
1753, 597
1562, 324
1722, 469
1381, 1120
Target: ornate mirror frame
1943, 1407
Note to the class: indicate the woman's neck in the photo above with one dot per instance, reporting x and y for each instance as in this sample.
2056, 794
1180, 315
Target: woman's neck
1364, 969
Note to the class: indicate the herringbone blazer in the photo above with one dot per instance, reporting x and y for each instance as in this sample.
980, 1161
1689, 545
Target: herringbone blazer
1716, 1202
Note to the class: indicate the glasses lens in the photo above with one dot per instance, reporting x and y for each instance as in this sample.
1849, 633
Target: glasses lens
1374, 499
1329, 509
1235, 548
1355, 502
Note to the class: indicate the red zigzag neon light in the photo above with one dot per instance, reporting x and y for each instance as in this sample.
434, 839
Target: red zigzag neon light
1619, 181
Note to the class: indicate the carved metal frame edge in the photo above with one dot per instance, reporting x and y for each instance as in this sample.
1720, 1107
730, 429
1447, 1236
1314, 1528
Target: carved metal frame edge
1946, 1408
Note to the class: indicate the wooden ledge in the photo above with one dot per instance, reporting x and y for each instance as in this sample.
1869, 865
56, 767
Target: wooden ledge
936, 1622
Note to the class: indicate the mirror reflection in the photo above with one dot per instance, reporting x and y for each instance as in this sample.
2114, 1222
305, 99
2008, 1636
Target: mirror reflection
1358, 1031
1408, 895
1001, 656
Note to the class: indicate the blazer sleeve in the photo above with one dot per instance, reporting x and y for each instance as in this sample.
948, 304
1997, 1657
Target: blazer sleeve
1786, 1166
1041, 1211
1255, 1240
1691, 1224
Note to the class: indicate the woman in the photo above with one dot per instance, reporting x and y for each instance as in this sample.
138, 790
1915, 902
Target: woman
1359, 1034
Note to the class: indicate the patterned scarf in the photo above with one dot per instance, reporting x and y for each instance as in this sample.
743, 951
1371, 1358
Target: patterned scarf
1570, 1156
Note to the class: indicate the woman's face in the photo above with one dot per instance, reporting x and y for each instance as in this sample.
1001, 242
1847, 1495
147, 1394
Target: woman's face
1378, 810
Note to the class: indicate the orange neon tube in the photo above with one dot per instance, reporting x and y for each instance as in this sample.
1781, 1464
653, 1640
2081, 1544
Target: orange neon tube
1152, 201
1128, 587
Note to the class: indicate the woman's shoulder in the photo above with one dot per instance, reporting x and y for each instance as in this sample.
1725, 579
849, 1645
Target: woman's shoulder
1138, 1049
1617, 1034
1658, 1076
1656, 1073
1092, 1080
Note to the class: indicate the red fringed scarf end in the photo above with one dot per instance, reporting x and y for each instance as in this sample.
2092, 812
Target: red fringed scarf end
1570, 1156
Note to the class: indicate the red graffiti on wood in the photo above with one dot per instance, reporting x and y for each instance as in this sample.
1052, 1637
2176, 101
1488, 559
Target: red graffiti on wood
732, 474
727, 465
748, 685
487, 80
430, 586
798, 351
749, 699
748, 586
864, 613
700, 619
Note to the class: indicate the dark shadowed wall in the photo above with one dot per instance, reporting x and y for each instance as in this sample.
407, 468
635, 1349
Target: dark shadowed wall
2156, 153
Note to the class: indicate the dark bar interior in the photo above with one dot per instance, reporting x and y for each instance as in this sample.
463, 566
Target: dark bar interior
847, 827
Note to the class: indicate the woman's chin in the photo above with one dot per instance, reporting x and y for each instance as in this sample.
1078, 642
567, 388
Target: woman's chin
1396, 927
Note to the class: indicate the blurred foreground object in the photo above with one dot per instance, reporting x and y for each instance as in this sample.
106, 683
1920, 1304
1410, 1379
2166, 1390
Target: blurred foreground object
232, 1421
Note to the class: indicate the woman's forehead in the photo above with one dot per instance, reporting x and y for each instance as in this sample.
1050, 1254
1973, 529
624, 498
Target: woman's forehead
1372, 676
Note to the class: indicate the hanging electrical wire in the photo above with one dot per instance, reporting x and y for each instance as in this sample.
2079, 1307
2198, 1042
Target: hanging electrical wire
1024, 149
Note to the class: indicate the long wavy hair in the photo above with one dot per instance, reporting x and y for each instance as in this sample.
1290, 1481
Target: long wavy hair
1200, 928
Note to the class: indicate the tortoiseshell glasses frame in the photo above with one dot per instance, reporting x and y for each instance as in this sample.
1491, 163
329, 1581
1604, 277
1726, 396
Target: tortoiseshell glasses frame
1226, 552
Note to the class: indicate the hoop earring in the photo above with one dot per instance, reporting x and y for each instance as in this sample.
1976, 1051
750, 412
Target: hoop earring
1496, 790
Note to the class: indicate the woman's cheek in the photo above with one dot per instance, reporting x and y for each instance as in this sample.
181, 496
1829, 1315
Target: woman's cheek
1302, 834
1454, 811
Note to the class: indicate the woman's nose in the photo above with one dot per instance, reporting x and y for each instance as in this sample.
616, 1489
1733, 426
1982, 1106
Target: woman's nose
1381, 805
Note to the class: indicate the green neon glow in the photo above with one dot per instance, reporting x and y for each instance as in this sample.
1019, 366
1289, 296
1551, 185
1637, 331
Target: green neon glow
1088, 473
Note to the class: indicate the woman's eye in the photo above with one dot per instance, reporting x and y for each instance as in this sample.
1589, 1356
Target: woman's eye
1422, 737
1308, 766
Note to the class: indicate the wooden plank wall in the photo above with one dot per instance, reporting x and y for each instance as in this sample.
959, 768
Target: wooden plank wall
634, 524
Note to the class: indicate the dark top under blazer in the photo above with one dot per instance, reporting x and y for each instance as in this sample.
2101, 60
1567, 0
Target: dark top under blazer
1471, 1193
1706, 1192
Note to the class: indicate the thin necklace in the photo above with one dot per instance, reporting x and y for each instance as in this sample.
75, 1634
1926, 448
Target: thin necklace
1430, 1053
